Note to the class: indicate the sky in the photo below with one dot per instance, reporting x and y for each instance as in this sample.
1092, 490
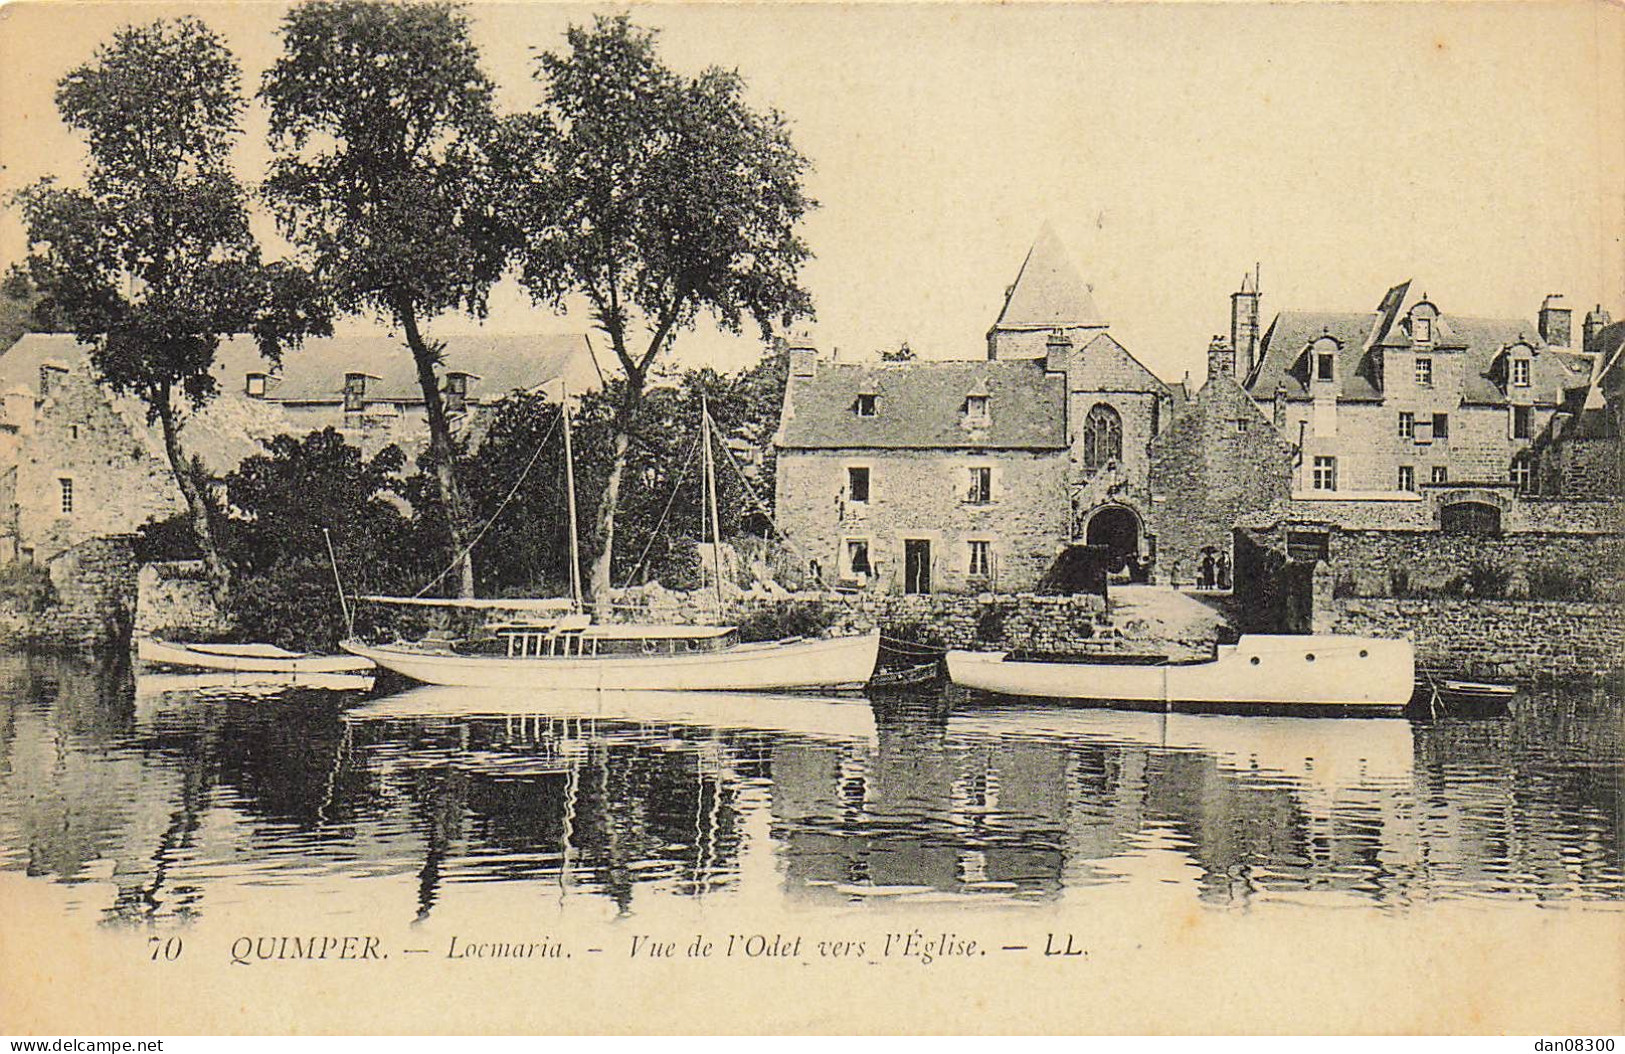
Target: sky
1476, 148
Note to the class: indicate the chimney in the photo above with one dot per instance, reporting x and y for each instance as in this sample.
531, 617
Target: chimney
1554, 321
1596, 319
1057, 349
803, 356
1244, 325
1278, 409
1221, 358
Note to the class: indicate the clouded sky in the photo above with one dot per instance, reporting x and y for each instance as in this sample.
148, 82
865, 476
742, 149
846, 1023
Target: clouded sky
1475, 148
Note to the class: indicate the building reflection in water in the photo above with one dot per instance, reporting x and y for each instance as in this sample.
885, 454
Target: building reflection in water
167, 790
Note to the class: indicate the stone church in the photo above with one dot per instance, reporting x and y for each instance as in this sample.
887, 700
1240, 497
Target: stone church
914, 477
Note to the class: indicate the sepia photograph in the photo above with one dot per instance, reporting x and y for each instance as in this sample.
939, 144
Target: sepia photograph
821, 518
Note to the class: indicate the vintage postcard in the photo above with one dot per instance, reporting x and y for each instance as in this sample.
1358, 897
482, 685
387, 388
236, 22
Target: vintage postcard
888, 518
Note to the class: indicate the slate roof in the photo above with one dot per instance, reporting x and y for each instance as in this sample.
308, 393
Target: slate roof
920, 406
1049, 293
1361, 335
314, 373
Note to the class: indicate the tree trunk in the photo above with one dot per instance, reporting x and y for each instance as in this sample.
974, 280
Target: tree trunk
605, 531
441, 449
197, 504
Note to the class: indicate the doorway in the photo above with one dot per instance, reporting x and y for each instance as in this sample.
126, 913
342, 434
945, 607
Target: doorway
916, 565
1117, 529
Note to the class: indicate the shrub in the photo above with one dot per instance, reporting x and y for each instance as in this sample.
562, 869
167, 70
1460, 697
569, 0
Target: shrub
1399, 582
26, 588
1486, 579
1550, 581
778, 621
990, 625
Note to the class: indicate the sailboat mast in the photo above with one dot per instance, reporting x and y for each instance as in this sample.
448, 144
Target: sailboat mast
570, 498
711, 499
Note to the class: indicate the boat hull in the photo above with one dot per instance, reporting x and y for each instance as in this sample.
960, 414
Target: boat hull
817, 665
164, 653
1277, 672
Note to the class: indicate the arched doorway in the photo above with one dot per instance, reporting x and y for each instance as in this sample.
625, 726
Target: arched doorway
1118, 529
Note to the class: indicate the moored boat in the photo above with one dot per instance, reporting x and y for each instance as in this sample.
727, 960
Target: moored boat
572, 653
1269, 671
244, 658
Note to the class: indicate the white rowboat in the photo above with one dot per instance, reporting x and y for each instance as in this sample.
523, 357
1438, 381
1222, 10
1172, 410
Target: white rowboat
1258, 670
244, 658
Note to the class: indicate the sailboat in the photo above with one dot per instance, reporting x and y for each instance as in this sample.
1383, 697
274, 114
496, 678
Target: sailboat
555, 644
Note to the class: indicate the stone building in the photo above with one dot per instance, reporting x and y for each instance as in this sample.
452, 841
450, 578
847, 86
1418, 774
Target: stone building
77, 462
1581, 453
1407, 395
972, 475
1221, 460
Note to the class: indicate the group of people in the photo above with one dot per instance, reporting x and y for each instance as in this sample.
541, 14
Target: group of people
1214, 570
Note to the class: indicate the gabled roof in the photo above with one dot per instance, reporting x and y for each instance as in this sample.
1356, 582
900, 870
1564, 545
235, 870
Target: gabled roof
314, 373
1362, 336
1104, 365
1049, 293
920, 406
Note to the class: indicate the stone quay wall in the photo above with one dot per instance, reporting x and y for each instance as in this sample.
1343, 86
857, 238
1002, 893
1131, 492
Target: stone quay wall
93, 608
1513, 639
174, 601
1025, 621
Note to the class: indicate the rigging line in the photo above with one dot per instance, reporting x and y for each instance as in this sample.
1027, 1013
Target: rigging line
493, 518
688, 464
773, 521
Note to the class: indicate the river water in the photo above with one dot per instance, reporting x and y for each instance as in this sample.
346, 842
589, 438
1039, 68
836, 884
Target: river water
159, 799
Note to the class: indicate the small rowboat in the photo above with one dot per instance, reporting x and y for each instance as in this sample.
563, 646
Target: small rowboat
244, 658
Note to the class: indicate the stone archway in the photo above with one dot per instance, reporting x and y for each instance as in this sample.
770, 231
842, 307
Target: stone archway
1117, 528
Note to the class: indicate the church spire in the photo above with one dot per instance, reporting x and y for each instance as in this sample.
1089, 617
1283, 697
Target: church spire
1048, 295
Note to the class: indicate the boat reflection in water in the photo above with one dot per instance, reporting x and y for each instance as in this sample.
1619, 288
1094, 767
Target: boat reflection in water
162, 805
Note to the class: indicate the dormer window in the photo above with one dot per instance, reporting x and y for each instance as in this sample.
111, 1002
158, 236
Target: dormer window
254, 386
355, 392
976, 409
866, 405
456, 392
50, 377
1520, 372
1421, 330
1325, 366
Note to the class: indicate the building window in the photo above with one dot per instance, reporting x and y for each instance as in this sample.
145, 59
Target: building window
1520, 372
1407, 477
1241, 426
1441, 426
1407, 425
73, 431
1523, 422
981, 559
254, 385
1325, 473
1305, 547
1441, 474
355, 392
1520, 473
49, 378
857, 557
857, 485
66, 486
1470, 517
976, 409
865, 406
981, 486
1325, 366
1424, 372
1102, 436
456, 392
1422, 330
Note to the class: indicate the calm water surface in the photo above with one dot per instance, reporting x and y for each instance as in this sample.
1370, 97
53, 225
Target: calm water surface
156, 797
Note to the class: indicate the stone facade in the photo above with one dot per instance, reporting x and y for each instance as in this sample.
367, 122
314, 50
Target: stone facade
1219, 462
923, 495
173, 600
95, 596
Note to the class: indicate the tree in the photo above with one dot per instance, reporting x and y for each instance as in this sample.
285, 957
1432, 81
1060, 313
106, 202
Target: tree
657, 197
380, 117
152, 262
